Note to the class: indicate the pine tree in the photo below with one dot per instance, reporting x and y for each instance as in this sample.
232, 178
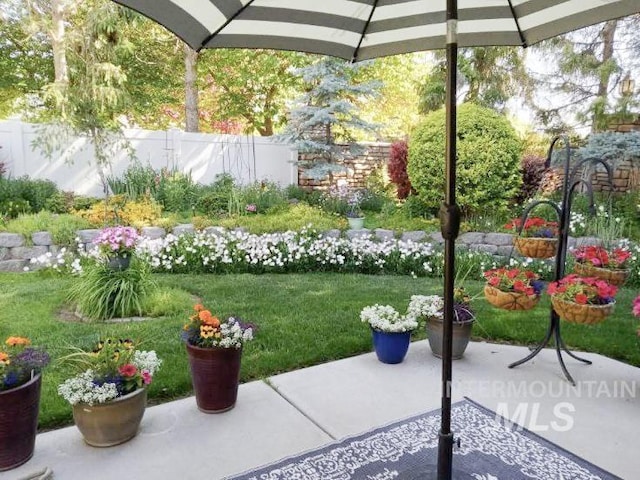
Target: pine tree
326, 117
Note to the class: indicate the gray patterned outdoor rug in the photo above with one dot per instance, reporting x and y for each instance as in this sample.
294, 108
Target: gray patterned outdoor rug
491, 449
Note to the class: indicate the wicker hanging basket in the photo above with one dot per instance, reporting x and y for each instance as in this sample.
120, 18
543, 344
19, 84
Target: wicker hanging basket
536, 247
579, 313
613, 276
510, 300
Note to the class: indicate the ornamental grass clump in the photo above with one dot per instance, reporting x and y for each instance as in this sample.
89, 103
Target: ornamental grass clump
114, 368
206, 330
385, 318
20, 362
583, 290
536, 227
101, 293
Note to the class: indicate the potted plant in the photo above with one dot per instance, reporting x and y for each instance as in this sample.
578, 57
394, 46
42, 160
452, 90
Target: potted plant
21, 365
109, 395
537, 237
391, 332
429, 308
512, 288
214, 347
585, 300
354, 213
597, 261
117, 244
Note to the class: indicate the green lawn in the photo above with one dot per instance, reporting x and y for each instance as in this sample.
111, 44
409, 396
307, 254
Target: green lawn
302, 320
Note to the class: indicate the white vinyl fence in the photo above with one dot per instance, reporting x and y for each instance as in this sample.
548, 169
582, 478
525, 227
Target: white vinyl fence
247, 158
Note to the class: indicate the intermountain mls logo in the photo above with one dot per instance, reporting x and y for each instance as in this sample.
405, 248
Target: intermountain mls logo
541, 406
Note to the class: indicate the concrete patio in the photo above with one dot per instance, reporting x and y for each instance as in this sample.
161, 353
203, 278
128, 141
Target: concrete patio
598, 420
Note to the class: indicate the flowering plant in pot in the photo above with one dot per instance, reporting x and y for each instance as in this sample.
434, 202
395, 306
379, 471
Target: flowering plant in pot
21, 365
537, 236
109, 394
117, 244
597, 261
391, 331
430, 309
512, 288
582, 299
214, 346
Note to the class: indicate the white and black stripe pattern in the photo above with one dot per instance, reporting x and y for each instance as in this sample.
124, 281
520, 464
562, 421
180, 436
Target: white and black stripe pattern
362, 29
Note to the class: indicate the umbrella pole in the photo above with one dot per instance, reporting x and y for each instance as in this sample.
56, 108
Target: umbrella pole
450, 226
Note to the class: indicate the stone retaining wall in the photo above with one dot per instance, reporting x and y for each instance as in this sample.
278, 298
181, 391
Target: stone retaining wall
15, 254
359, 168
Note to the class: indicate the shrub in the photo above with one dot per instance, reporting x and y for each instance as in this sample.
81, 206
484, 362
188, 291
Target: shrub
488, 166
117, 210
397, 168
24, 189
14, 208
533, 171
264, 195
214, 198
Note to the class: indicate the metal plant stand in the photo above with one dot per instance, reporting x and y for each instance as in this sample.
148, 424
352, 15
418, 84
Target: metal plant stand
572, 180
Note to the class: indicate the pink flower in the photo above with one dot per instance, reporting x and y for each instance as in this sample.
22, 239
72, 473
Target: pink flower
636, 306
146, 377
128, 370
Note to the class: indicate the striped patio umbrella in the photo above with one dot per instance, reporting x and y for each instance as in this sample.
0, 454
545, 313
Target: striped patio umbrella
364, 29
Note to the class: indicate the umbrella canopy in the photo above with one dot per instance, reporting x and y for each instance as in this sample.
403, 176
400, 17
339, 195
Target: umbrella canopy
364, 29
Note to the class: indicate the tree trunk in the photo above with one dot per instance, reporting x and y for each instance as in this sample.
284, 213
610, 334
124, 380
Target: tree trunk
57, 41
191, 89
608, 38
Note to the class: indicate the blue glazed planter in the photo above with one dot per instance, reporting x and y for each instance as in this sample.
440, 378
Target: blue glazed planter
391, 347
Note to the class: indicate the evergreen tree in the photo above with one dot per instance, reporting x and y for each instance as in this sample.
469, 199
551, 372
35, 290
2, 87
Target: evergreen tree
326, 117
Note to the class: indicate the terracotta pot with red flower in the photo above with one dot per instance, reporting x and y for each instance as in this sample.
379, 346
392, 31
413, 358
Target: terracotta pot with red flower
597, 261
512, 288
585, 300
214, 346
537, 237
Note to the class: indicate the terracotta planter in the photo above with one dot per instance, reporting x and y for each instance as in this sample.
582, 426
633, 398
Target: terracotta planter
461, 336
578, 313
535, 247
613, 276
113, 422
510, 300
215, 374
18, 423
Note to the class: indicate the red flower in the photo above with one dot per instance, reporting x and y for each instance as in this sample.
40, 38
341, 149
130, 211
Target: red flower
581, 298
128, 370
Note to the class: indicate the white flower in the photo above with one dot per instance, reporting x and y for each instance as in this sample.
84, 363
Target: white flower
385, 318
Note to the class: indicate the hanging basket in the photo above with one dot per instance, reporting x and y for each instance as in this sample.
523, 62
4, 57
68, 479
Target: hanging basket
613, 276
510, 300
536, 247
579, 313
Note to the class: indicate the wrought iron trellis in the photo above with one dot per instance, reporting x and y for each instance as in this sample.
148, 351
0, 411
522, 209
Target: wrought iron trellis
573, 179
